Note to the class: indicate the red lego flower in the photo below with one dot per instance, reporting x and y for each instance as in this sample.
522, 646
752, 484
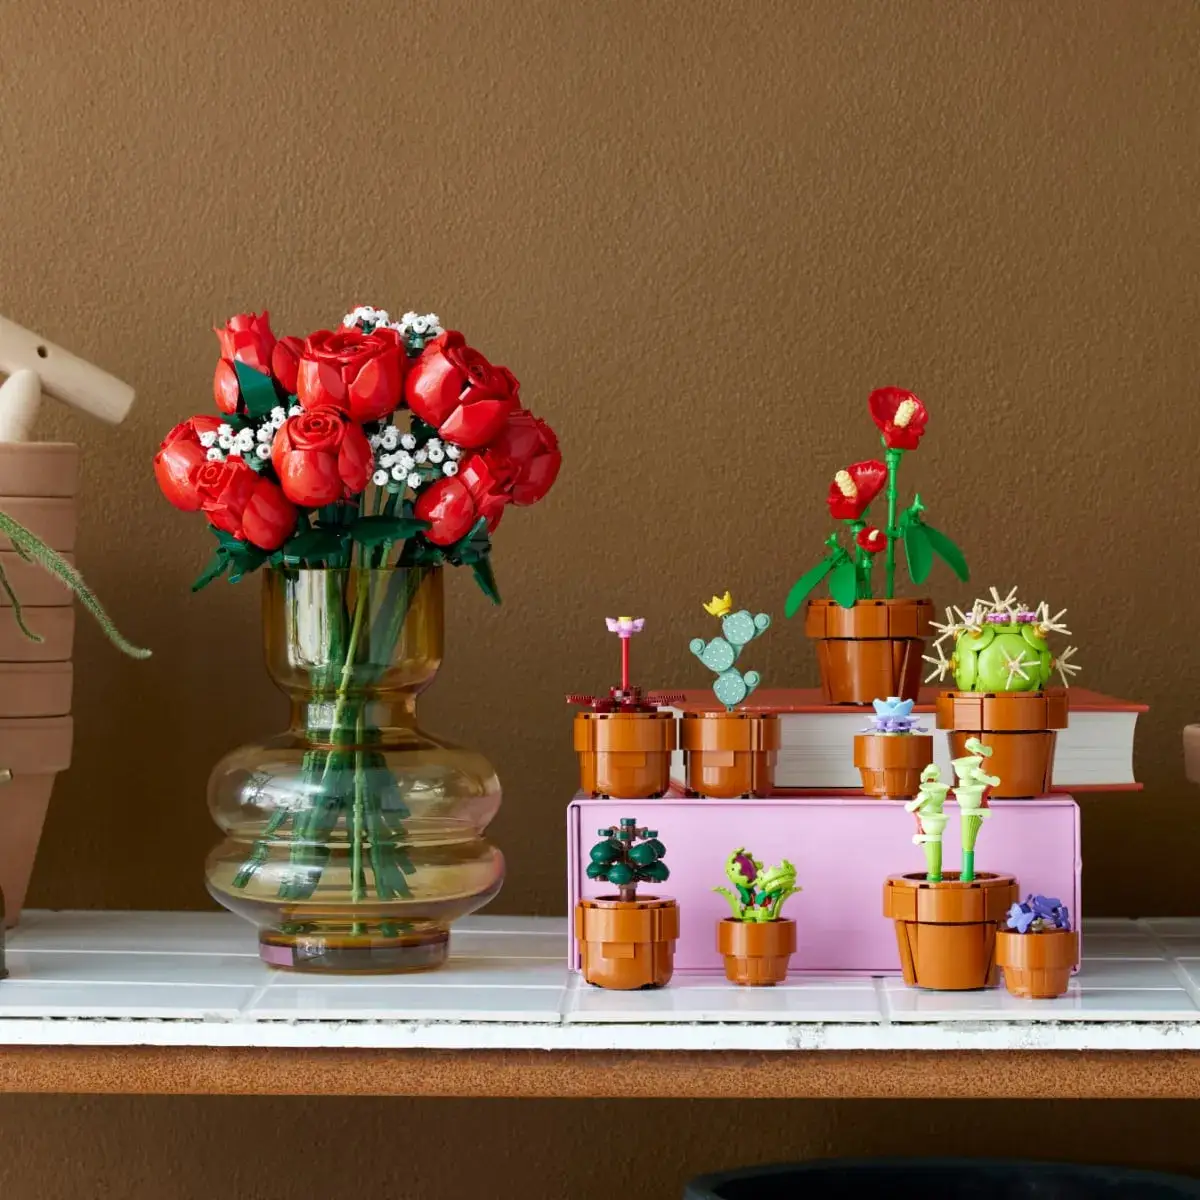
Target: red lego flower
901, 417
854, 488
871, 539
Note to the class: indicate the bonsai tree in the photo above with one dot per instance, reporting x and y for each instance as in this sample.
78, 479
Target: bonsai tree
901, 419
757, 894
1001, 645
629, 854
971, 789
720, 654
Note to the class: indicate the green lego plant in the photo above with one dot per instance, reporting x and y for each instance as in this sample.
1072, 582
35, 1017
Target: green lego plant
738, 629
627, 856
758, 893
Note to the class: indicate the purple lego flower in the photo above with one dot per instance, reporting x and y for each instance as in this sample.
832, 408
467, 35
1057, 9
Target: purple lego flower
1039, 914
1043, 906
1020, 918
893, 715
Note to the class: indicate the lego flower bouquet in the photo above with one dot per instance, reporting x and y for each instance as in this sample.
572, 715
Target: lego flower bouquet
352, 465
870, 644
756, 941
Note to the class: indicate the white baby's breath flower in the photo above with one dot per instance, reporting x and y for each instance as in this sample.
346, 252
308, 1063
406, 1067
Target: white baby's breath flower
421, 455
295, 410
436, 454
215, 455
208, 439
408, 441
406, 321
452, 451
263, 451
420, 326
278, 416
390, 438
245, 440
450, 468
414, 480
265, 433
398, 475
433, 444
433, 325
405, 461
224, 430
380, 478
225, 441
375, 441
386, 460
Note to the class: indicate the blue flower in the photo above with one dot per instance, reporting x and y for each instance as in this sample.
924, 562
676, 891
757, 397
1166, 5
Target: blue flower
1043, 906
893, 707
1020, 918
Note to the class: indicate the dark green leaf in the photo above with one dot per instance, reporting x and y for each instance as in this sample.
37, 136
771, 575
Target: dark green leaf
314, 544
236, 421
374, 531
474, 546
485, 577
243, 559
948, 552
227, 540
806, 583
258, 391
843, 583
917, 551
217, 566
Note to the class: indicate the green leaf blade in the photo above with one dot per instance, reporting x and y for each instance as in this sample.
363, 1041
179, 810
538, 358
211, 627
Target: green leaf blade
806, 584
917, 552
486, 578
376, 530
258, 390
948, 552
843, 583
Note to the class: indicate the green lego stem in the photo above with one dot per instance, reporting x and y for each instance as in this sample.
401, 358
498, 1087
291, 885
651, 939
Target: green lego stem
862, 562
933, 862
892, 458
967, 874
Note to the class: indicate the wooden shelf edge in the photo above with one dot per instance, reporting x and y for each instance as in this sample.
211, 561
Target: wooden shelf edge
1027, 1074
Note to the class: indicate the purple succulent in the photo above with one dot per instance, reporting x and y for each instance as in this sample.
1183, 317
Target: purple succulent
1043, 906
1020, 918
1039, 914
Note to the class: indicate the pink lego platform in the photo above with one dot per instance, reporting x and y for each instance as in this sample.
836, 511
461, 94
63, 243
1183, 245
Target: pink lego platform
843, 849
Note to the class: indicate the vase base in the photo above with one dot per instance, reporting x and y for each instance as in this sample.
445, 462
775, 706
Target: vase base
371, 952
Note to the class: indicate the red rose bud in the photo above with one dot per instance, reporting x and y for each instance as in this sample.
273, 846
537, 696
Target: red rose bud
490, 490
450, 509
901, 417
321, 456
246, 339
854, 488
236, 499
285, 362
361, 374
179, 458
455, 389
526, 452
269, 518
871, 540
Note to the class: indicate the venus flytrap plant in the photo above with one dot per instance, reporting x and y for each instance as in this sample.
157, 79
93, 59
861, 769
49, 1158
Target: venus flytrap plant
759, 892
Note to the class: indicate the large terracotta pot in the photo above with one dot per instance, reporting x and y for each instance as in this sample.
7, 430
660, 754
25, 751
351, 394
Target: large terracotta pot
891, 763
873, 649
627, 944
1019, 727
38, 481
946, 932
625, 755
1037, 966
730, 754
756, 952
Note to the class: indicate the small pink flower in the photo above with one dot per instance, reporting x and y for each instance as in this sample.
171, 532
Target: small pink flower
625, 627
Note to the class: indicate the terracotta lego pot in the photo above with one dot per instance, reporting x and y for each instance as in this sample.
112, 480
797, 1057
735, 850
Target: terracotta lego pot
1037, 966
37, 487
946, 932
891, 763
627, 944
625, 755
1019, 727
730, 754
756, 952
873, 649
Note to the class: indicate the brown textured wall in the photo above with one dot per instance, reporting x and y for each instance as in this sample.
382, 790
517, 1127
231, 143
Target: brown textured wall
699, 233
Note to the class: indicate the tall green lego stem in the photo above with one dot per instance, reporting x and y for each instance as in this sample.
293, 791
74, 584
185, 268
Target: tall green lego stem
971, 824
892, 458
933, 862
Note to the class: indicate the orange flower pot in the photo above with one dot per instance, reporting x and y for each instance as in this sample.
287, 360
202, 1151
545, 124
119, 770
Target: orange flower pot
625, 755
873, 649
1019, 727
946, 932
627, 944
891, 763
756, 952
730, 754
1037, 966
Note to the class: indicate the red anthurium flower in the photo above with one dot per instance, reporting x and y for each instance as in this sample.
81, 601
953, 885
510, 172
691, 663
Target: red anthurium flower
179, 458
246, 339
285, 362
526, 455
360, 373
455, 389
855, 487
236, 499
901, 417
871, 539
321, 456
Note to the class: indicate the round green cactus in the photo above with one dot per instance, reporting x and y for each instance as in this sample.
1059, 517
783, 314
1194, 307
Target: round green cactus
1003, 658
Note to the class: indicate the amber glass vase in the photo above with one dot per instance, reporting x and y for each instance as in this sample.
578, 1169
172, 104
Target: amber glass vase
354, 839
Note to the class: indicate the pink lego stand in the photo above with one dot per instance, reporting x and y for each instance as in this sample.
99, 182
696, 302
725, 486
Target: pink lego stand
843, 849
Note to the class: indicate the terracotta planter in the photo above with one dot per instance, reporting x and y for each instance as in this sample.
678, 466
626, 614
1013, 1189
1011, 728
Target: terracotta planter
1037, 966
730, 754
756, 952
627, 944
1019, 727
873, 649
891, 763
37, 487
625, 755
946, 932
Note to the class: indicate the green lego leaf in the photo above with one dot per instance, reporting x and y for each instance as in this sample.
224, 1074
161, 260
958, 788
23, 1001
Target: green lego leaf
917, 551
376, 530
258, 390
947, 551
217, 566
314, 544
806, 584
843, 583
486, 578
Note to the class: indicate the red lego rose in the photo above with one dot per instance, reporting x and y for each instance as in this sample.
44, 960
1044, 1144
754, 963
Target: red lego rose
285, 362
362, 374
179, 458
854, 488
490, 490
456, 390
526, 455
238, 500
871, 539
449, 507
901, 417
246, 339
320, 456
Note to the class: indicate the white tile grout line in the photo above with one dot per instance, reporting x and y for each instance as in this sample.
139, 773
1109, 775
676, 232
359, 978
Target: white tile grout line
1168, 955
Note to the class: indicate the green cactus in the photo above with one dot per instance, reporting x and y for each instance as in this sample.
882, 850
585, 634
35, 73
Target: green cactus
720, 654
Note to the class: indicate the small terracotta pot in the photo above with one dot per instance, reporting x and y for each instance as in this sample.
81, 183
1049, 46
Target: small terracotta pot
756, 952
625, 755
891, 763
1037, 966
946, 932
873, 649
730, 754
627, 944
1019, 727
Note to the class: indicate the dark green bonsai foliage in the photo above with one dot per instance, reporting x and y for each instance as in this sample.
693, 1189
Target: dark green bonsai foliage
629, 854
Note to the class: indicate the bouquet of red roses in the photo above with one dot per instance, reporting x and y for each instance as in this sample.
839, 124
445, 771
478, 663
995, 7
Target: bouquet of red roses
309, 462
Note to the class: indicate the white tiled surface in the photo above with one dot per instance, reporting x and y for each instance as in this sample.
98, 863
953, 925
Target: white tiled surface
195, 979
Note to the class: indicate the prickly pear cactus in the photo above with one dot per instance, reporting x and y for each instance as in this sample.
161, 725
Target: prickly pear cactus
720, 654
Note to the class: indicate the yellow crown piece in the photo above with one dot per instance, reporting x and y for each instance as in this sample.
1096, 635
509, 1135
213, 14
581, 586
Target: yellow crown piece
719, 606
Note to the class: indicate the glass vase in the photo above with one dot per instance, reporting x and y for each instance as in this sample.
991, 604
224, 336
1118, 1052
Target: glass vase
353, 840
